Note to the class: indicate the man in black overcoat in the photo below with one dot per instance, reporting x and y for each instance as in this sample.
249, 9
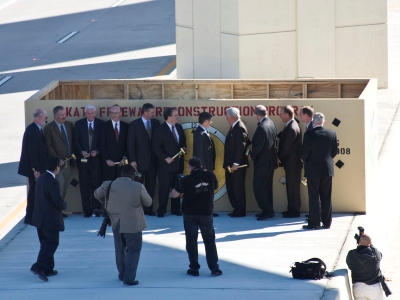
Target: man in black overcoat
168, 138
47, 218
319, 148
140, 151
289, 154
236, 143
203, 145
113, 144
265, 162
87, 147
33, 157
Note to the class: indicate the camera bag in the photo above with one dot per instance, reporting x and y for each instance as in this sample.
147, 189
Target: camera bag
313, 268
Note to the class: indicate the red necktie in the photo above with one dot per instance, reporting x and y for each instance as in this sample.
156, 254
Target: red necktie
116, 131
174, 134
230, 129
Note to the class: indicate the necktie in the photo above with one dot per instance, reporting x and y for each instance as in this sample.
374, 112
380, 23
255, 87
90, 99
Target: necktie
66, 142
230, 129
90, 129
116, 131
174, 134
148, 128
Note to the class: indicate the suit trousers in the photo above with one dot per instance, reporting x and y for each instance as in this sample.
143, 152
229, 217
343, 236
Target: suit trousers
111, 173
235, 186
63, 179
149, 180
127, 253
293, 180
192, 223
49, 241
167, 181
89, 180
320, 189
262, 188
30, 200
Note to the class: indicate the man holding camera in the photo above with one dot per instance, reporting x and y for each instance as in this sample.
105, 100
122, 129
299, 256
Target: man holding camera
197, 209
364, 263
124, 207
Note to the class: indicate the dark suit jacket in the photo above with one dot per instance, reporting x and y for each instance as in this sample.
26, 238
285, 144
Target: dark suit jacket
319, 148
81, 138
165, 145
263, 145
110, 148
55, 142
33, 152
289, 152
139, 144
49, 204
204, 148
236, 143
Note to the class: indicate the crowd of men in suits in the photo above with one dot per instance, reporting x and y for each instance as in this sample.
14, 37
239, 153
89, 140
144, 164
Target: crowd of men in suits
101, 147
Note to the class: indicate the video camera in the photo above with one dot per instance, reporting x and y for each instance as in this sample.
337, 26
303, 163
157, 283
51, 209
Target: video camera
361, 232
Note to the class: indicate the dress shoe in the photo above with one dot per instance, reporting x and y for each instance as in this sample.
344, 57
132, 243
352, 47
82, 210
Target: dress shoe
311, 227
149, 213
237, 215
40, 274
216, 272
259, 214
265, 217
51, 273
177, 214
215, 215
285, 212
291, 215
326, 227
193, 272
64, 215
306, 216
160, 215
87, 215
135, 282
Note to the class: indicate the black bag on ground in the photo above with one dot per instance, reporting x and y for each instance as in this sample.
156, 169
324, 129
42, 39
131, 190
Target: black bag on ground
313, 268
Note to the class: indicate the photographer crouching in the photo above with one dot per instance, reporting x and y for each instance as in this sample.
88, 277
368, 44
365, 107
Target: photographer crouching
364, 263
197, 208
123, 200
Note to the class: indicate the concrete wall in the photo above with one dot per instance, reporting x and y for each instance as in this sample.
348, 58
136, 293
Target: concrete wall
259, 39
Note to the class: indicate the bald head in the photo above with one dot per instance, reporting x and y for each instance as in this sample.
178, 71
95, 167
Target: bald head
365, 240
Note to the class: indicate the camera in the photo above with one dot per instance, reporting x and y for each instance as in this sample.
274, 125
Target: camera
360, 233
180, 176
106, 221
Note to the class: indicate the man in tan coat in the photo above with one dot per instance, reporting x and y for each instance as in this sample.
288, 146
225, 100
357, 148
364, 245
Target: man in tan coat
125, 210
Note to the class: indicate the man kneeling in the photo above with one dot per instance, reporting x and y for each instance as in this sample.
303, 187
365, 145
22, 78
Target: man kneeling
197, 209
124, 207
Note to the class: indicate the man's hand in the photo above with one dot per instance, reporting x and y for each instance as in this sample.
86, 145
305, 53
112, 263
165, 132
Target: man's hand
93, 153
36, 174
249, 157
110, 163
134, 164
169, 160
234, 167
85, 154
61, 162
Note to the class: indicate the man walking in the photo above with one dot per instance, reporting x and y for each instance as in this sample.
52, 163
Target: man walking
265, 162
47, 218
319, 149
124, 207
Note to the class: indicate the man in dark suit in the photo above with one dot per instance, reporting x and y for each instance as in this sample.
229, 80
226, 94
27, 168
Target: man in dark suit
265, 162
87, 146
319, 149
167, 141
236, 143
59, 140
289, 154
306, 115
33, 157
47, 218
140, 151
203, 145
113, 141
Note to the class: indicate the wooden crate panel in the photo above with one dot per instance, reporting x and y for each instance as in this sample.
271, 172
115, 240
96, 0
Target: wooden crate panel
250, 91
107, 91
76, 92
328, 90
145, 91
285, 91
52, 94
217, 91
179, 91
352, 90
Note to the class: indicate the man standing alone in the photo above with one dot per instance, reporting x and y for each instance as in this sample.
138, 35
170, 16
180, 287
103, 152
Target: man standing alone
265, 162
319, 149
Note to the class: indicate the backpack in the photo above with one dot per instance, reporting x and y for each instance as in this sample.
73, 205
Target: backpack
313, 268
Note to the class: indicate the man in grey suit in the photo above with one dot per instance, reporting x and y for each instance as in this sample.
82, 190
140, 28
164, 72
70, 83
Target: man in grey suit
124, 207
